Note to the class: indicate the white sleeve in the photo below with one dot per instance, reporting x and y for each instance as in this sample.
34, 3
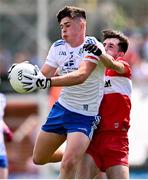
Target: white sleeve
51, 59
91, 57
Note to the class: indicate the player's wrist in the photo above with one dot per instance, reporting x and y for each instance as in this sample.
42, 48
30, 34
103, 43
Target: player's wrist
48, 80
98, 52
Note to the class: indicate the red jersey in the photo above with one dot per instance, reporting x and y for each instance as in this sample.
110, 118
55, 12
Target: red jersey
116, 104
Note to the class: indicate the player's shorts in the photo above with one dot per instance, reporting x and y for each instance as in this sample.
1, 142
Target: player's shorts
109, 149
62, 121
3, 162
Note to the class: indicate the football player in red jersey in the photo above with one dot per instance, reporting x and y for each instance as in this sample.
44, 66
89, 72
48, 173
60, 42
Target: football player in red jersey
109, 147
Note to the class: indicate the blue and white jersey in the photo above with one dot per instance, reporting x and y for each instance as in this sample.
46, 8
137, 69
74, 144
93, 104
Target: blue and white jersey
2, 107
83, 98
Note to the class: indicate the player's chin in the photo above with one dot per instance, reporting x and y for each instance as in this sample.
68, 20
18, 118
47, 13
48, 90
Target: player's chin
65, 37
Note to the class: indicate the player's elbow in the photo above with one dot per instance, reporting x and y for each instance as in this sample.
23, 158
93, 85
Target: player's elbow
39, 161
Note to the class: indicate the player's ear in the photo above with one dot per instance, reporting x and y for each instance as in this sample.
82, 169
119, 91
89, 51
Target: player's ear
83, 24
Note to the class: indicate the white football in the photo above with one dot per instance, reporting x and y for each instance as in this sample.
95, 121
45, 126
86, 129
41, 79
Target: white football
16, 75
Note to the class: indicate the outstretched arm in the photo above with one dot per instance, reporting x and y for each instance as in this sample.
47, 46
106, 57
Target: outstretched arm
72, 78
105, 58
109, 62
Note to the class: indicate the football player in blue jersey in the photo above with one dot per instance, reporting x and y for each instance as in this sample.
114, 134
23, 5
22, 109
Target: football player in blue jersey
75, 115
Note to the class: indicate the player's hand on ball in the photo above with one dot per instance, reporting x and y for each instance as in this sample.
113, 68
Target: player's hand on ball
31, 82
92, 48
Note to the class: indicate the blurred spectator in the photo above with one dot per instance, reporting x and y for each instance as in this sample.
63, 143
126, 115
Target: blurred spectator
145, 44
28, 128
8, 134
21, 57
5, 61
133, 57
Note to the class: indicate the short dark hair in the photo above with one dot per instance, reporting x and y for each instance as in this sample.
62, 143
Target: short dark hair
123, 40
71, 12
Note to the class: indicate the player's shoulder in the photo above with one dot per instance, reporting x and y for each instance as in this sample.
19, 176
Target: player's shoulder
59, 42
123, 61
92, 40
127, 73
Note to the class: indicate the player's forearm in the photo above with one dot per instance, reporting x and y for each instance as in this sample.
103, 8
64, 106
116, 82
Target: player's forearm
70, 79
48, 71
109, 62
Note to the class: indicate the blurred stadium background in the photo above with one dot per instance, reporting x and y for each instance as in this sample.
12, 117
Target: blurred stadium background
27, 29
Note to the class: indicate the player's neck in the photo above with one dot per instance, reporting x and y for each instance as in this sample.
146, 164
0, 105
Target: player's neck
77, 42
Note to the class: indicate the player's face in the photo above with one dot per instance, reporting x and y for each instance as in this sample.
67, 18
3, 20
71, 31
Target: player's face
111, 47
70, 29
